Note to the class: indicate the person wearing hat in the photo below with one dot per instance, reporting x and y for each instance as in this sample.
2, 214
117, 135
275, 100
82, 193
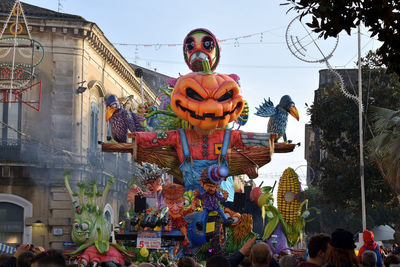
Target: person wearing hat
340, 252
370, 244
175, 201
210, 179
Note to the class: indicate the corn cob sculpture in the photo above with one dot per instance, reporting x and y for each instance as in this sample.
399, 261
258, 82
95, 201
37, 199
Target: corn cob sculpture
288, 188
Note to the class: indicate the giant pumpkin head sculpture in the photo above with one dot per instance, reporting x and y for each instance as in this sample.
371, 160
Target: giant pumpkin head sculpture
200, 45
207, 101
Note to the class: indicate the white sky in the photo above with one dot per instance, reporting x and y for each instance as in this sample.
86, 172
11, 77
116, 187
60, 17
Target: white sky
267, 68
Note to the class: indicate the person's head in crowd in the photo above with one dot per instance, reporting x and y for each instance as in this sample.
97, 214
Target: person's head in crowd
368, 259
391, 259
217, 261
341, 249
246, 262
186, 262
396, 250
284, 252
317, 246
260, 254
110, 264
4, 258
24, 260
51, 258
369, 239
288, 261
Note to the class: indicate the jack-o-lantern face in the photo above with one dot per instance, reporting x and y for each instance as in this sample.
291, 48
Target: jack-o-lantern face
207, 101
200, 45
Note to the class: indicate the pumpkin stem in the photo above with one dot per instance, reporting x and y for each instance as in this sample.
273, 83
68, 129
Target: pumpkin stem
206, 67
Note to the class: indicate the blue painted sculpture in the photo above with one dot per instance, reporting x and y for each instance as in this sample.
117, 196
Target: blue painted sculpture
278, 115
121, 120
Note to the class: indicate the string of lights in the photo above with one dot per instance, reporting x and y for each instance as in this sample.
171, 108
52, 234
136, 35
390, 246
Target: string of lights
224, 41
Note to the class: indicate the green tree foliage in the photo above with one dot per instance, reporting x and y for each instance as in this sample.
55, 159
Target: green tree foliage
385, 146
336, 116
381, 17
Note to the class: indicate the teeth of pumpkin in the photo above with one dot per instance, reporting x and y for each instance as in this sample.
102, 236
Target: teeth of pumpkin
198, 55
289, 182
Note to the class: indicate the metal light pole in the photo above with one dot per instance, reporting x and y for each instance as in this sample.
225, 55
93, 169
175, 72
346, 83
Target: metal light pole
360, 121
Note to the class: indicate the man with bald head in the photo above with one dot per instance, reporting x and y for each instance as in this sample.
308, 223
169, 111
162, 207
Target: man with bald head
260, 255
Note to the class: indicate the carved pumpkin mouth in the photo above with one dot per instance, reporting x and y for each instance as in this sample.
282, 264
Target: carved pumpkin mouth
208, 115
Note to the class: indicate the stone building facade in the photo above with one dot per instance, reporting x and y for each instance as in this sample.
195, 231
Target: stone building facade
312, 152
37, 146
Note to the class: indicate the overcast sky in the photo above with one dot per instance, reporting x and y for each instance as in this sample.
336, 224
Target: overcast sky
263, 61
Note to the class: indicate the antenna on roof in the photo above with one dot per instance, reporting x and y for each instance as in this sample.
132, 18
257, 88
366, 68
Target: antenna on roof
60, 6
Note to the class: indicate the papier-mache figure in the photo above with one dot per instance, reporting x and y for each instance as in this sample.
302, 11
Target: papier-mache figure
174, 199
210, 179
90, 230
150, 177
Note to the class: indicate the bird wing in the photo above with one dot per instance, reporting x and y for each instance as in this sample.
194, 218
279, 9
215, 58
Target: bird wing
133, 121
266, 109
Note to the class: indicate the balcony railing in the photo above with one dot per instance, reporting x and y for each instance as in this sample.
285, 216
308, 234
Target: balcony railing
119, 166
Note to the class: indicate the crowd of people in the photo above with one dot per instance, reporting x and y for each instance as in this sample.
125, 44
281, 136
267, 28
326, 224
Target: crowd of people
335, 250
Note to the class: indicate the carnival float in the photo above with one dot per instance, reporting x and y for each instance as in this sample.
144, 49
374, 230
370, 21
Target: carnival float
190, 136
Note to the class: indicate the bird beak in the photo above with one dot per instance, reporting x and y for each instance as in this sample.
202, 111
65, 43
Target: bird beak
293, 111
110, 111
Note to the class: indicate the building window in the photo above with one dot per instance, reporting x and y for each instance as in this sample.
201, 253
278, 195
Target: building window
11, 223
10, 114
94, 127
13, 206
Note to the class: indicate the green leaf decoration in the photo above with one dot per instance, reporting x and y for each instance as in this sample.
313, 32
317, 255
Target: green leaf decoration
299, 224
102, 246
271, 226
269, 214
293, 238
121, 249
81, 248
266, 189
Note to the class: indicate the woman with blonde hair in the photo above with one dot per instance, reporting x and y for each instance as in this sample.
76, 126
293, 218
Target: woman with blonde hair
340, 251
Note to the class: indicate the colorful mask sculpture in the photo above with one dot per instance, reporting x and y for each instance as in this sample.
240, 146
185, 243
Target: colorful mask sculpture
90, 230
200, 45
207, 101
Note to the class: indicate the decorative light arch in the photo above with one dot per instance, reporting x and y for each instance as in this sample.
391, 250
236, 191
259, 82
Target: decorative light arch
28, 211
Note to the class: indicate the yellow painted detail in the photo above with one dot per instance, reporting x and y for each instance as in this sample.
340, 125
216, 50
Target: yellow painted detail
210, 227
217, 148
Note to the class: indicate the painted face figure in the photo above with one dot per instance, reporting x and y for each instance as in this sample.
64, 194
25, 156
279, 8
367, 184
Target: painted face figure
154, 185
210, 188
200, 45
85, 225
175, 206
173, 198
